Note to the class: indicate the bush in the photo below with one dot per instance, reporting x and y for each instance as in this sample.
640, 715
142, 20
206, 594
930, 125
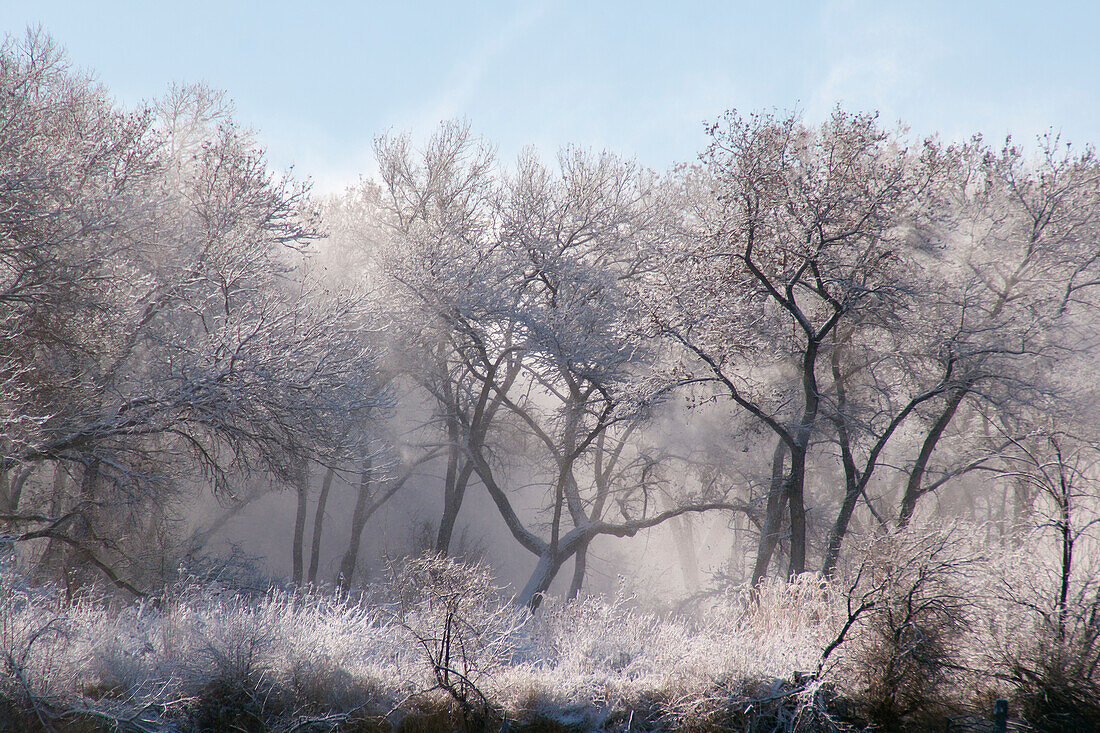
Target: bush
1056, 676
909, 634
464, 627
913, 607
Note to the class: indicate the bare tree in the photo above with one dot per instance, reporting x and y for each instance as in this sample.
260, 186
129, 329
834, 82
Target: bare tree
178, 333
791, 233
1020, 239
517, 301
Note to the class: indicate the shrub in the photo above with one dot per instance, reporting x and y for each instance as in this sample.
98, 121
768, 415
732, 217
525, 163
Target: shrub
1056, 673
464, 627
912, 609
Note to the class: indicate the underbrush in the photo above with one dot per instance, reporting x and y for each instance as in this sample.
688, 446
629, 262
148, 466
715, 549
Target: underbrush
913, 639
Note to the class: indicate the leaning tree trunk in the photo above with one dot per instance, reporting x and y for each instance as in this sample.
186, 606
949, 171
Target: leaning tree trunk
852, 484
840, 527
773, 517
914, 486
359, 518
318, 524
546, 569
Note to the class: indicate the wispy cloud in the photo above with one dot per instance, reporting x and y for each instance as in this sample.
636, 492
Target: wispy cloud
875, 57
469, 73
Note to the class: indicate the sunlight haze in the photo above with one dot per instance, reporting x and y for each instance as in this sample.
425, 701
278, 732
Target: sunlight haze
549, 367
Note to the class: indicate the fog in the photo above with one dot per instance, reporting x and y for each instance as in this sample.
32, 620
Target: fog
827, 363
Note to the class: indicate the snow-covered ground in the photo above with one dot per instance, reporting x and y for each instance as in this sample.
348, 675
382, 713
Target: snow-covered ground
439, 639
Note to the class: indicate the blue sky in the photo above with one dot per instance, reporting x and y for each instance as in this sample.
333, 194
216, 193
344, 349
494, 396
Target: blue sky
320, 80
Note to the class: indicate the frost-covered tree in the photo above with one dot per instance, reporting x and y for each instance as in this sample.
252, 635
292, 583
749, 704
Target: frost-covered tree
1017, 248
845, 289
156, 327
76, 179
446, 274
794, 236
513, 292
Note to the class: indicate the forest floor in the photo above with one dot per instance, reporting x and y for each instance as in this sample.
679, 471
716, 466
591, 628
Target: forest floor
439, 648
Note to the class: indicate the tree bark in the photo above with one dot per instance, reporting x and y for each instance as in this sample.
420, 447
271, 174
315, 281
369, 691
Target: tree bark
318, 525
773, 516
913, 488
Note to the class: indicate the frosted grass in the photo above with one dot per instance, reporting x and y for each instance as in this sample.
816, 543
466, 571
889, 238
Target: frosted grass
597, 663
370, 651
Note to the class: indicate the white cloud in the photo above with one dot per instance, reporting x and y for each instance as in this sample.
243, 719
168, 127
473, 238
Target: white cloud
874, 57
460, 88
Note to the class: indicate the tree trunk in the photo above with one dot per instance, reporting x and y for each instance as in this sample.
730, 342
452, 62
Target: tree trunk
358, 521
840, 527
684, 534
74, 559
450, 479
13, 481
1022, 503
15, 493
796, 481
452, 504
201, 535
318, 524
301, 486
579, 567
1065, 529
52, 554
773, 517
459, 464
913, 490
546, 569
852, 483
684, 539
736, 562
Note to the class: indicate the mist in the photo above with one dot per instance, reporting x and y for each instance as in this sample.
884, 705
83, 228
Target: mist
819, 399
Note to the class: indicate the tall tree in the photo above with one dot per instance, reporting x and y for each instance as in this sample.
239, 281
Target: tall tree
517, 290
1021, 252
179, 339
791, 233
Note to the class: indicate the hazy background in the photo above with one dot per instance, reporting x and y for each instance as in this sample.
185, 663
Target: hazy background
320, 80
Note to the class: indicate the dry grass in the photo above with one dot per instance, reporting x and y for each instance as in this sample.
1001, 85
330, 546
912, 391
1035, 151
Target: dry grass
437, 648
